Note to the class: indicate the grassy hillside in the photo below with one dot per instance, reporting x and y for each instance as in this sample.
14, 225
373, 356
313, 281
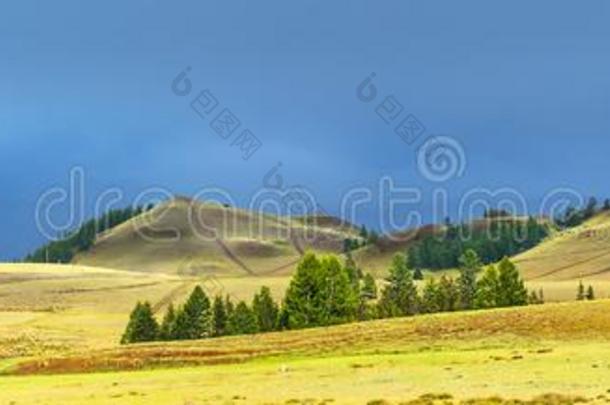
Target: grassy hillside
50, 309
582, 252
191, 238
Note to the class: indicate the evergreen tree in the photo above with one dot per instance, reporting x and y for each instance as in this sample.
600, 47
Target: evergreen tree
305, 302
219, 317
590, 293
369, 288
580, 296
488, 289
243, 320
283, 322
265, 310
449, 294
470, 265
512, 288
166, 331
340, 294
399, 297
142, 326
431, 297
194, 319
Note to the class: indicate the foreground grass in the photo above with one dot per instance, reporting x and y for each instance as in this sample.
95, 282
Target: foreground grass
459, 371
557, 350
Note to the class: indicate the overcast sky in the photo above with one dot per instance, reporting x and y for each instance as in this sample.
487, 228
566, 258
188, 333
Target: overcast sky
522, 87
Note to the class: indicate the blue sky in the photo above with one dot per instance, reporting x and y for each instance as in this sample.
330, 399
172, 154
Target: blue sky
523, 86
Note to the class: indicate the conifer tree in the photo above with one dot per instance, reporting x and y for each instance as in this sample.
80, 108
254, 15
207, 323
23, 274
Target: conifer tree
166, 331
219, 317
194, 319
243, 321
369, 288
305, 301
283, 318
488, 289
339, 293
590, 293
449, 294
470, 265
399, 297
580, 296
142, 326
512, 289
431, 297
265, 310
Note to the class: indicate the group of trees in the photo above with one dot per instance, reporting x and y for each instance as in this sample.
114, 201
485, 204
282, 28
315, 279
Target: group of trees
574, 216
80, 240
365, 238
324, 291
499, 286
491, 241
582, 294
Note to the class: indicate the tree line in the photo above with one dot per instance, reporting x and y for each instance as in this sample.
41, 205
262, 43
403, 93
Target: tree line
574, 216
324, 291
492, 242
83, 238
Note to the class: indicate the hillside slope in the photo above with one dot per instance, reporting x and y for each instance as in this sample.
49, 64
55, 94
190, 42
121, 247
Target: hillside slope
192, 238
564, 322
582, 252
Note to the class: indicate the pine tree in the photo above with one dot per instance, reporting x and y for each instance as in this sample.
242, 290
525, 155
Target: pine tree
369, 288
488, 289
512, 288
590, 293
340, 294
431, 297
449, 294
243, 321
399, 297
142, 326
265, 310
470, 265
283, 318
580, 296
305, 302
219, 317
166, 331
194, 319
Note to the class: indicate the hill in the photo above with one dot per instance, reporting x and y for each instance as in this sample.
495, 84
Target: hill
193, 238
582, 252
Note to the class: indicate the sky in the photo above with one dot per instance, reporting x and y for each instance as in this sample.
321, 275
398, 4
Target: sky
522, 89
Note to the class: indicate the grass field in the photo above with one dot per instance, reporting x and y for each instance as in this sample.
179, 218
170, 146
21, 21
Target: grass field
559, 349
60, 326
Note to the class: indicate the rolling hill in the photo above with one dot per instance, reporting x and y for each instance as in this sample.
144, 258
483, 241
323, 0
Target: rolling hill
193, 238
582, 252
